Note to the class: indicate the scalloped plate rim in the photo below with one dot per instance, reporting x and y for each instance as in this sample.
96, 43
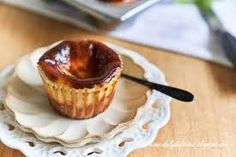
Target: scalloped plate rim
155, 125
92, 138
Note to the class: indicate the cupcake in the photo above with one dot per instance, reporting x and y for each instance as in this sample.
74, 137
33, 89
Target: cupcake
80, 77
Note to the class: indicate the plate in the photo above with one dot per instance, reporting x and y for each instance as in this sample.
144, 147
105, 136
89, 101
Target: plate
147, 112
108, 11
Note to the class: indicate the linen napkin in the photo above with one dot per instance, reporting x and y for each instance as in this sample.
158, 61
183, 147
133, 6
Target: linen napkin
176, 27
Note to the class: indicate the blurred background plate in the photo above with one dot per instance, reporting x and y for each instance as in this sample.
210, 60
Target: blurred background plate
111, 13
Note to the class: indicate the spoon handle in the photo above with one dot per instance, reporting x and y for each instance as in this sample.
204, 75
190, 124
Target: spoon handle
173, 92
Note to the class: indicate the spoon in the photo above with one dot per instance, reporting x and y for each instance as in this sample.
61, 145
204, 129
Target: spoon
173, 92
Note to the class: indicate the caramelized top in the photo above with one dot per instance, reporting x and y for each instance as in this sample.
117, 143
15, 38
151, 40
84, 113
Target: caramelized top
80, 64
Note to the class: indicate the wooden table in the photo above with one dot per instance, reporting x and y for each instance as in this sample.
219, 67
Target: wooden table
210, 118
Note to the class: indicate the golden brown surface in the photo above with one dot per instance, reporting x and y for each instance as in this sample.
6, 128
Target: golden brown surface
80, 63
211, 117
88, 65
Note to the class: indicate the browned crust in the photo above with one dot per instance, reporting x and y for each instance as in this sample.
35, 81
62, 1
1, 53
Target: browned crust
80, 63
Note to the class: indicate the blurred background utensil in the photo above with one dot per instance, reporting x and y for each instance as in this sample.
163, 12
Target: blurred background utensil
227, 40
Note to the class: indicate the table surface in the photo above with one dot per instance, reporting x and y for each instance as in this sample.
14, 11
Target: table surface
196, 127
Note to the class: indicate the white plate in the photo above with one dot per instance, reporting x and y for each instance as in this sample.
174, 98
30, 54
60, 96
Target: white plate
135, 130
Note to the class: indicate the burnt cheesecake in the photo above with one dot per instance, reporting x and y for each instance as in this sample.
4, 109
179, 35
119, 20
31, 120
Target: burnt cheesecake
80, 77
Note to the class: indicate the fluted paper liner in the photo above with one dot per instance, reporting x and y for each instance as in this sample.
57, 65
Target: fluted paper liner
80, 103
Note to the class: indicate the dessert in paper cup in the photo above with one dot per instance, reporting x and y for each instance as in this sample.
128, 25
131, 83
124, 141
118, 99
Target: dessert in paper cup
80, 77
